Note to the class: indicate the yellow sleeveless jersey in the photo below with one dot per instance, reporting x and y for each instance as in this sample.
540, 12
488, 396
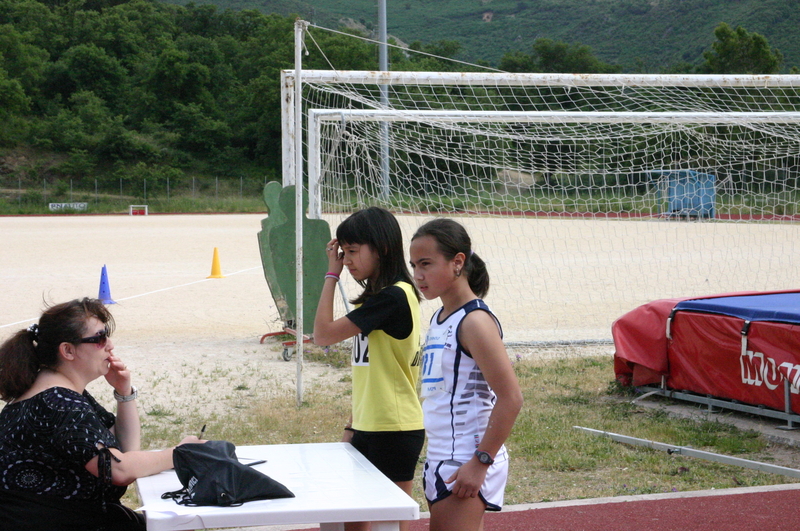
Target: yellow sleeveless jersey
386, 375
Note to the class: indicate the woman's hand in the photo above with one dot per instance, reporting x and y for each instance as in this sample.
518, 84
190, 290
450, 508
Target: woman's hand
335, 257
118, 375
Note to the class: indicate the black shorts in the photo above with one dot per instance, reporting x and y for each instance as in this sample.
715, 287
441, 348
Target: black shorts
395, 453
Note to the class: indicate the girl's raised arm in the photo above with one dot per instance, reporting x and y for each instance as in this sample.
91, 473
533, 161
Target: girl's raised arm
326, 330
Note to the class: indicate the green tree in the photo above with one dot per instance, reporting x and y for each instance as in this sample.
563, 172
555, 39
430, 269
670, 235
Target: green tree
517, 62
22, 60
560, 57
342, 51
736, 51
13, 102
12, 97
134, 31
551, 56
79, 163
430, 57
86, 67
199, 131
82, 124
30, 18
176, 78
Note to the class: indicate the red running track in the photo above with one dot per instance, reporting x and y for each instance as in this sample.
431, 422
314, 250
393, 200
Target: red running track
774, 508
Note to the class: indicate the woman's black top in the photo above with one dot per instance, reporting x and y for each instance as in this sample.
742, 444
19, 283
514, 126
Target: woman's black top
45, 443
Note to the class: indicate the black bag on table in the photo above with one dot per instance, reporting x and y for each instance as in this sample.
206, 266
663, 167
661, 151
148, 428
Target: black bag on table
211, 474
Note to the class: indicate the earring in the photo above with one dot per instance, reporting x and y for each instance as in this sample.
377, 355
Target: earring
458, 272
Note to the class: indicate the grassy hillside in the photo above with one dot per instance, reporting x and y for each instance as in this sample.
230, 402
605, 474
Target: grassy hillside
640, 35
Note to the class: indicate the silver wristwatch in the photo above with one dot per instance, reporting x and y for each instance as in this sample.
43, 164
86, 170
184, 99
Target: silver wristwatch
126, 398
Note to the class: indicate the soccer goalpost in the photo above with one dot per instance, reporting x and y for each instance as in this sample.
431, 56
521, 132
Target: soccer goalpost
587, 195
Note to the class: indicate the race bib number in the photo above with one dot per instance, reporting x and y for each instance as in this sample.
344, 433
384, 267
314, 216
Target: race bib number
432, 374
360, 350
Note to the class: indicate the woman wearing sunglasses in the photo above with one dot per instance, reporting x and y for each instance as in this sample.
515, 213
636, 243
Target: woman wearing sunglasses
65, 461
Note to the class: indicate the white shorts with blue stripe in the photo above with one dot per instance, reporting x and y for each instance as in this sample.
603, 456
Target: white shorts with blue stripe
492, 491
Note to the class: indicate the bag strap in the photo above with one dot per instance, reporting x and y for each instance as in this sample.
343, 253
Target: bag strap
181, 496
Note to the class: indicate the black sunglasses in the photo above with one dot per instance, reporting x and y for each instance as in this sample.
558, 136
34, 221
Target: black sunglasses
100, 338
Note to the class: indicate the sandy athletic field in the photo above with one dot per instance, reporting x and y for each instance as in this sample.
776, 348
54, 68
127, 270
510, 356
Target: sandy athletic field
181, 332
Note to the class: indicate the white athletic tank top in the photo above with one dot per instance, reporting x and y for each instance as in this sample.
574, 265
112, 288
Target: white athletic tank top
457, 399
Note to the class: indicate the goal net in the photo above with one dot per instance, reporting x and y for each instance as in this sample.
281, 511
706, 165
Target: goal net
587, 195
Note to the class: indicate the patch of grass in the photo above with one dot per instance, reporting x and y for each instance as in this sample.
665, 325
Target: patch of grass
159, 412
551, 460
336, 356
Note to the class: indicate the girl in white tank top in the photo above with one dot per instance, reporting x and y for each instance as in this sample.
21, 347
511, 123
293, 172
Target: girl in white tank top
471, 395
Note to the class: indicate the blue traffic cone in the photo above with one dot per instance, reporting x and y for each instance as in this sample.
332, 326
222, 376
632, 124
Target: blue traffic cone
105, 290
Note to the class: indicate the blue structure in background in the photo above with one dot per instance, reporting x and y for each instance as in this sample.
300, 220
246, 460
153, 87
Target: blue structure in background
689, 193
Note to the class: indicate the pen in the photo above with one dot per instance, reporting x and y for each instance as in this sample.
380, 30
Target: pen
202, 431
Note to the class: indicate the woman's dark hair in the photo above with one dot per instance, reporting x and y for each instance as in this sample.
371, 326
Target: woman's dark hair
27, 351
378, 228
452, 238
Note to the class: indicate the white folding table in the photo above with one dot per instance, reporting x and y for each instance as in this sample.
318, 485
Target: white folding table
332, 483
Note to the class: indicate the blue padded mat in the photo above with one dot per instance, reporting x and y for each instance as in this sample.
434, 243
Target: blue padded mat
780, 307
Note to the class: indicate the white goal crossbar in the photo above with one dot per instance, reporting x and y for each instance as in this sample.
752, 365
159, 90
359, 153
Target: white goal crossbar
369, 115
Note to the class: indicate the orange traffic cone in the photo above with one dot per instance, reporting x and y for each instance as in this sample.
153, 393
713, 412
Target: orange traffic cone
216, 270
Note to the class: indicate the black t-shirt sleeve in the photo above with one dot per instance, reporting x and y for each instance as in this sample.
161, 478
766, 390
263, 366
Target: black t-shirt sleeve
388, 311
82, 427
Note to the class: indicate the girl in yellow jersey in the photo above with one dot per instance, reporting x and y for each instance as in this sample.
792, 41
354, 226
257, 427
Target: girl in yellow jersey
386, 421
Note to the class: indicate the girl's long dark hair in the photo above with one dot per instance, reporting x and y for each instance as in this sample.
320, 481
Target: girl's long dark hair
27, 351
378, 228
452, 238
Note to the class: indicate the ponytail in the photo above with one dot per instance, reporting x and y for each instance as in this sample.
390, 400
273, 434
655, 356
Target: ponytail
477, 275
18, 365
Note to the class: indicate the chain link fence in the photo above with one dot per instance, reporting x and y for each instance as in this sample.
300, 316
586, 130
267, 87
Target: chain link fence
104, 195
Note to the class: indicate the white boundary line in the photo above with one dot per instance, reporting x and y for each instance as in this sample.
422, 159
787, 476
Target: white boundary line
33, 319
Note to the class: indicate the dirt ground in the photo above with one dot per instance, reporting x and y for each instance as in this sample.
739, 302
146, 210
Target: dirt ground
188, 338
184, 334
